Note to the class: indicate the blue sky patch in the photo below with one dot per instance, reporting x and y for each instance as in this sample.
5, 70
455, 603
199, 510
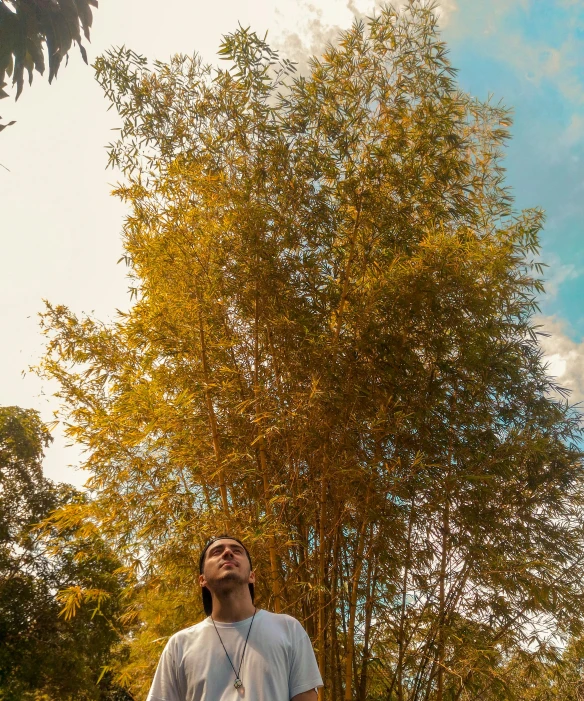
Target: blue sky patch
530, 55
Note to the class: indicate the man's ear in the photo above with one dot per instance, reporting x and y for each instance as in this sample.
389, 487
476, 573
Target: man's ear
202, 581
251, 579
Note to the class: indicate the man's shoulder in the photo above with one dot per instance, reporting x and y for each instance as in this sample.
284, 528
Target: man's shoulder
282, 620
189, 633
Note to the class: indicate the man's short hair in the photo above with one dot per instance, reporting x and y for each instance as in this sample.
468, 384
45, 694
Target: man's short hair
207, 598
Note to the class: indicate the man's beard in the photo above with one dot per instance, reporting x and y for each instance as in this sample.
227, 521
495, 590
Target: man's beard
229, 580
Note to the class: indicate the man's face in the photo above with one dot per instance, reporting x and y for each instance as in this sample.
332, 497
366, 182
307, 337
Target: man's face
226, 564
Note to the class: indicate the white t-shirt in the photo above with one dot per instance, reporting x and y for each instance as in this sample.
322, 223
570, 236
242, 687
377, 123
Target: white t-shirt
278, 664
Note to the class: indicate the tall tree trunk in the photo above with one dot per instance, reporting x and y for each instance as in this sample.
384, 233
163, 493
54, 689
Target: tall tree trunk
346, 275
442, 601
335, 666
371, 584
321, 584
274, 571
350, 648
402, 621
211, 412
304, 577
276, 588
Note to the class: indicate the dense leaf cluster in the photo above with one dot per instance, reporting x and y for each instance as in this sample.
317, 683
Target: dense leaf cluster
41, 651
28, 26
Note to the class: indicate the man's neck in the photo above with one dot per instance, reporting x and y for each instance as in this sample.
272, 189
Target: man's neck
232, 606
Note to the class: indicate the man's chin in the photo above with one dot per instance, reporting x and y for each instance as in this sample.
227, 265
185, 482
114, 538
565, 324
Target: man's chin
231, 576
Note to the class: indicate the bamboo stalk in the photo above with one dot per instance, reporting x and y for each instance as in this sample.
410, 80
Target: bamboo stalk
442, 601
345, 277
350, 650
211, 412
335, 669
451, 603
401, 640
321, 585
276, 590
372, 571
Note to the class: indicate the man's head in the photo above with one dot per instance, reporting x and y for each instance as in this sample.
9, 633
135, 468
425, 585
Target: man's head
224, 564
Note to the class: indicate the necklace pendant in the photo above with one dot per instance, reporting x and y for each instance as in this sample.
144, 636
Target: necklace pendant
238, 683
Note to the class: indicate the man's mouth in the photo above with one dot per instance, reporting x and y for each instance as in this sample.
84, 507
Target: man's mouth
231, 564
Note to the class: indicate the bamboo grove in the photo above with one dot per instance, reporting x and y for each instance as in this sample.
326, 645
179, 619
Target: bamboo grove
331, 351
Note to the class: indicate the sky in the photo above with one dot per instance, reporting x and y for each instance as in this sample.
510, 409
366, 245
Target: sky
60, 232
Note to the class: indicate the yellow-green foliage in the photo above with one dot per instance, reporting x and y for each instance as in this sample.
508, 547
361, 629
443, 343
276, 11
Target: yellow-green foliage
331, 353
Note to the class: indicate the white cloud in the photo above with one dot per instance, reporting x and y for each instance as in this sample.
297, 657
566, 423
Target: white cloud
574, 132
565, 357
304, 33
556, 273
303, 28
445, 10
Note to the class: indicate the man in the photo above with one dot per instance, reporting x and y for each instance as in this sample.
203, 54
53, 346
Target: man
238, 652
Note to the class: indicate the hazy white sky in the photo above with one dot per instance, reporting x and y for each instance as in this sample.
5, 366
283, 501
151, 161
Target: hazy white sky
60, 228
